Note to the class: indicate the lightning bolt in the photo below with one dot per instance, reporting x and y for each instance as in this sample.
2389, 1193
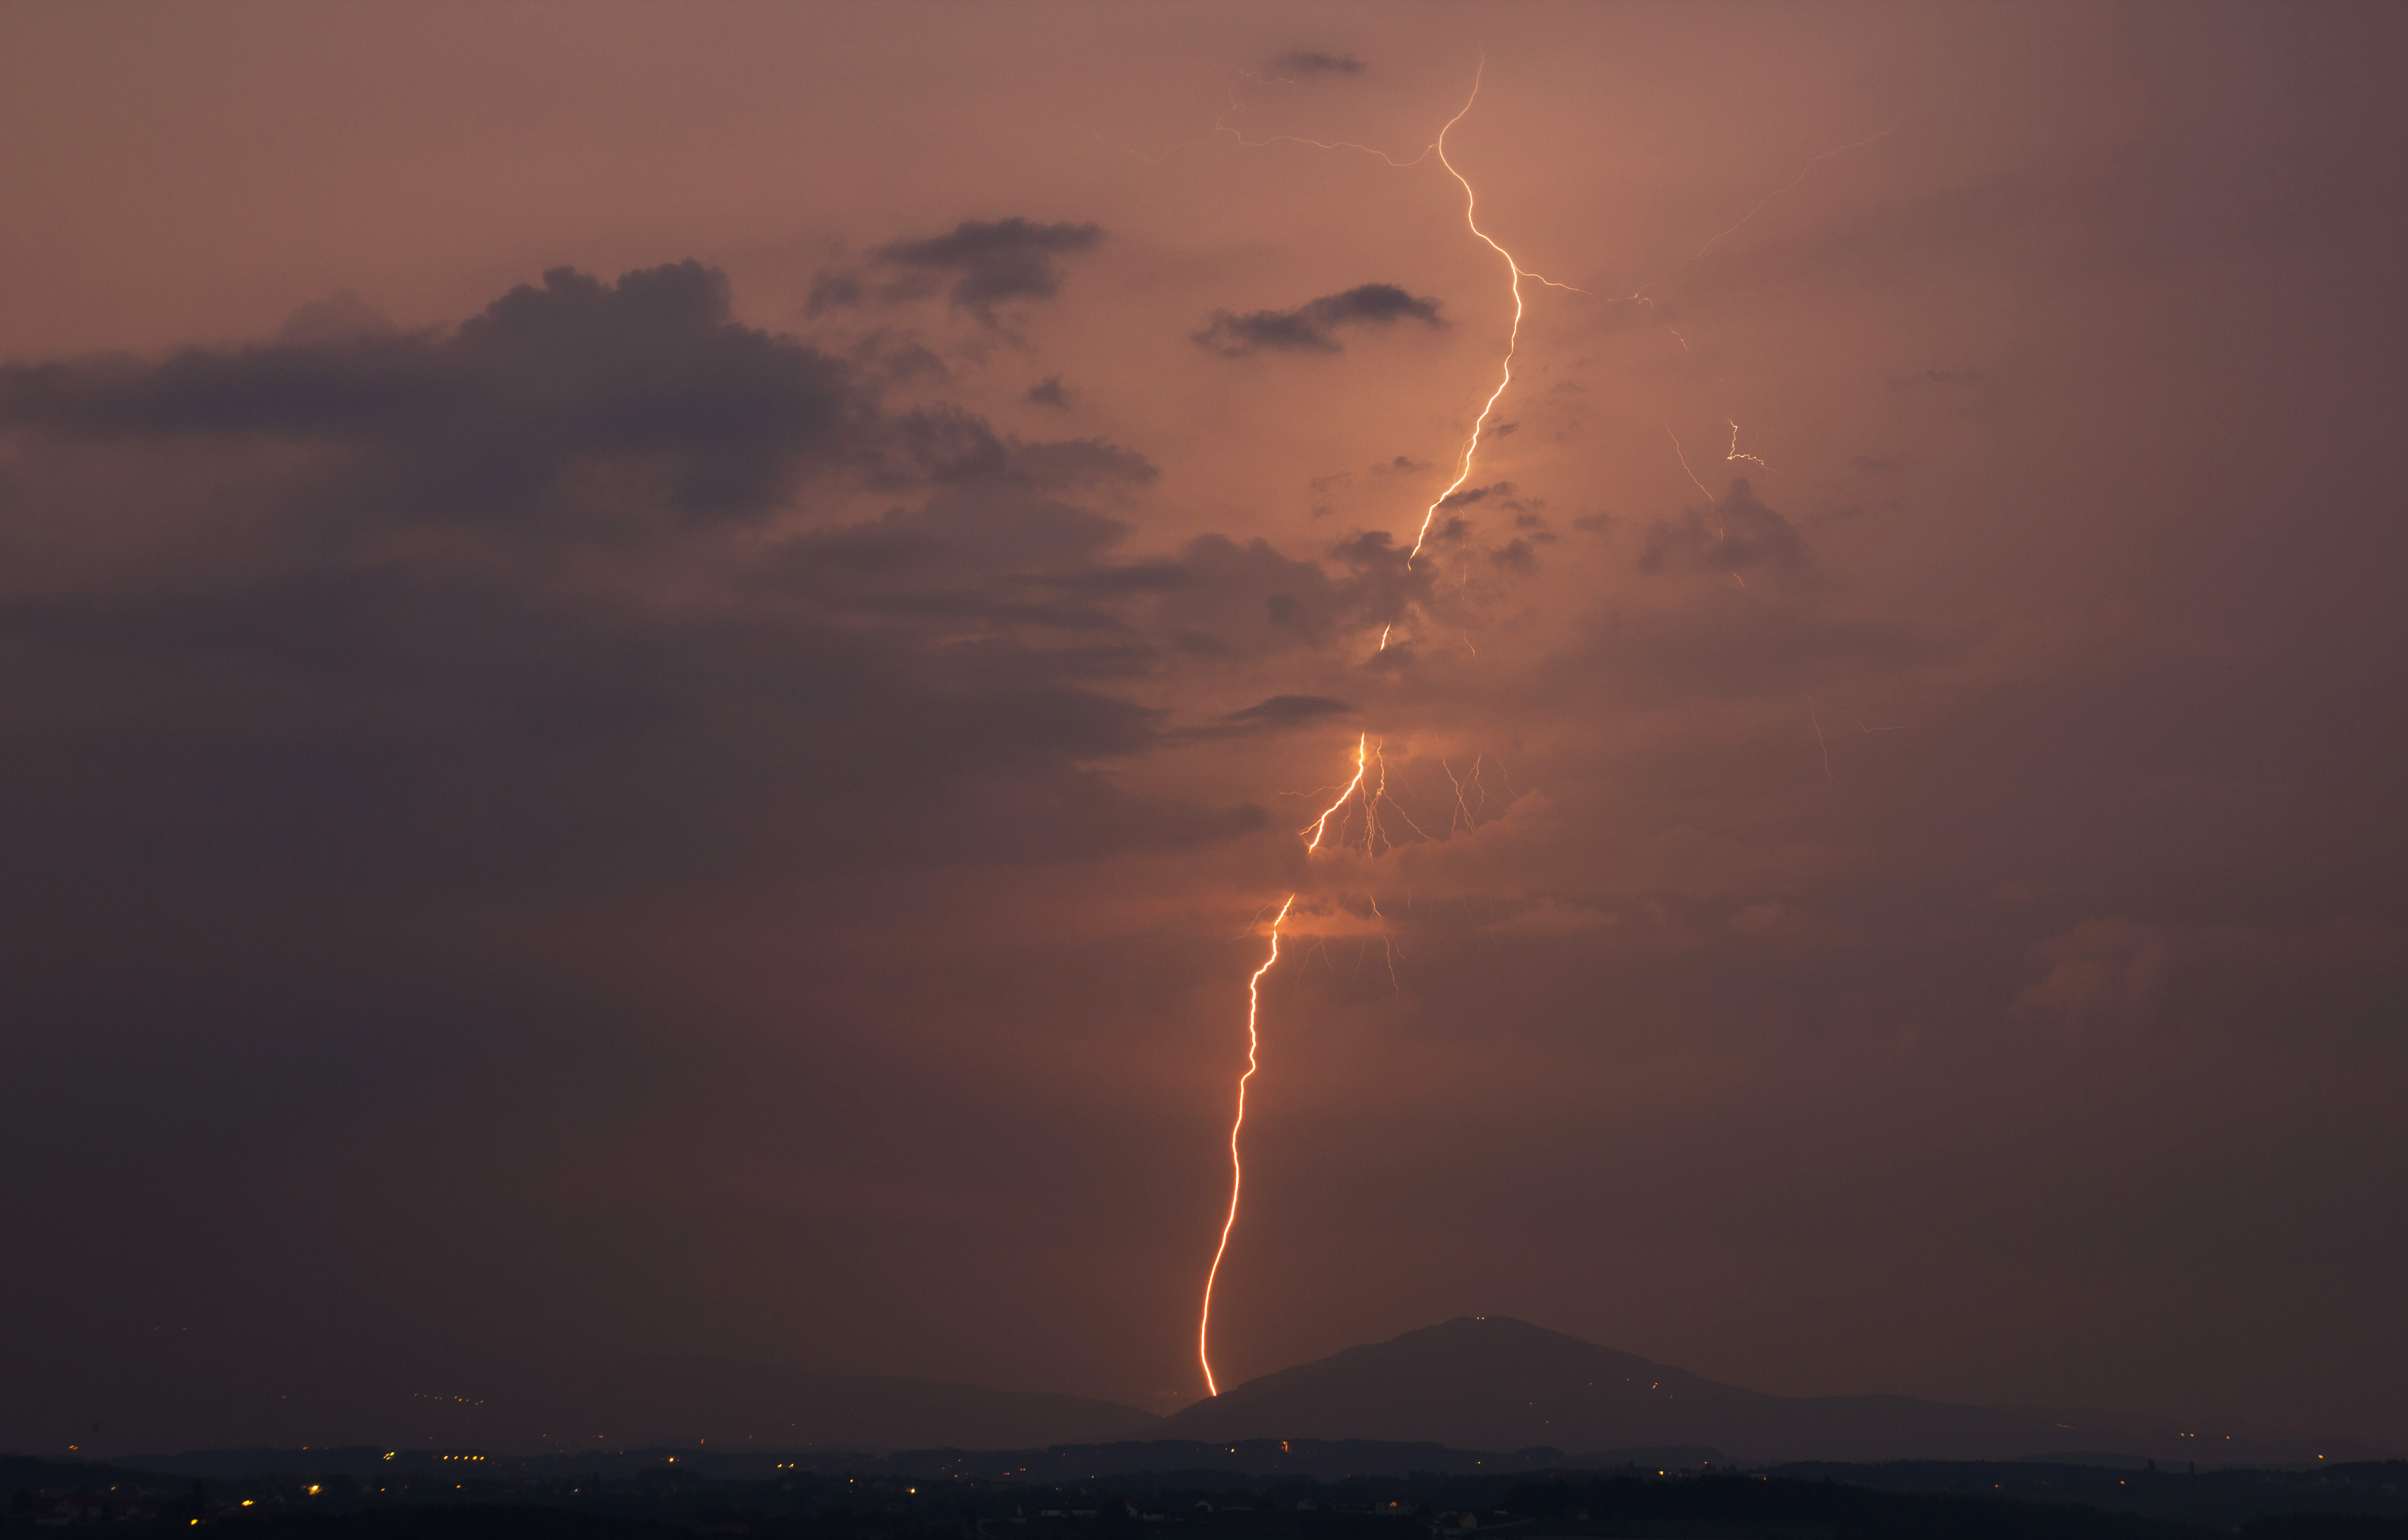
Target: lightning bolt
1464, 813
1738, 453
1237, 1166
1316, 830
1321, 826
1515, 273
1313, 833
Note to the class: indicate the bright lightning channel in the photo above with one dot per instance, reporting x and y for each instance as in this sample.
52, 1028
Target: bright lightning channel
1516, 273
1312, 834
1319, 827
1253, 1043
1237, 1167
1738, 453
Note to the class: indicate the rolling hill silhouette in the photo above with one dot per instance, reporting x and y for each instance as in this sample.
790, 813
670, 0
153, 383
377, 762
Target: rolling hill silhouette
1492, 1382
1479, 1383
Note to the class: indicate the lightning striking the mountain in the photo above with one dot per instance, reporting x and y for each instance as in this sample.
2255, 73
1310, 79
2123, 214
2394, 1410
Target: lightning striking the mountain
1237, 1166
1313, 833
1316, 829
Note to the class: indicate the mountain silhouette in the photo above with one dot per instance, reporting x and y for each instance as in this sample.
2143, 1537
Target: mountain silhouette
1492, 1382
1478, 1383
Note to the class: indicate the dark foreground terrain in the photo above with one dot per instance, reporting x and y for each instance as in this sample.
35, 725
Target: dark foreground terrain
657, 1495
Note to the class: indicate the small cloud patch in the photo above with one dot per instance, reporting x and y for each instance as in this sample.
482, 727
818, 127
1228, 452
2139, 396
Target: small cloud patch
1315, 64
1311, 327
1743, 536
989, 261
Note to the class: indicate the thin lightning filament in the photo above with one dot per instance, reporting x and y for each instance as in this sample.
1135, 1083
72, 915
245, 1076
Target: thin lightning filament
1738, 453
1237, 1167
1513, 340
1320, 826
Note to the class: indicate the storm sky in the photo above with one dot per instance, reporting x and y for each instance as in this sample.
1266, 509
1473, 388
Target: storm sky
662, 665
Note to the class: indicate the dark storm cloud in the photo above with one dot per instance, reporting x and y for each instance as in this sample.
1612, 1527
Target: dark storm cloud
398, 668
1470, 495
1313, 63
1083, 462
1516, 556
1276, 714
1291, 708
1005, 259
1253, 600
946, 445
1311, 327
514, 413
1738, 535
990, 262
381, 700
399, 728
836, 290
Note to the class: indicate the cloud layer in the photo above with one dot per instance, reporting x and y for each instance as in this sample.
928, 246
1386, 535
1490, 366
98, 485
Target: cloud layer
979, 263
